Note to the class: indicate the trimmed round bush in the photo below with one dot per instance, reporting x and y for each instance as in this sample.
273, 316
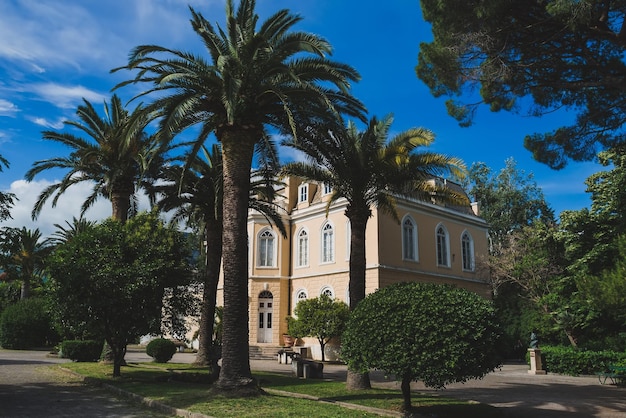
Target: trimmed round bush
27, 324
161, 350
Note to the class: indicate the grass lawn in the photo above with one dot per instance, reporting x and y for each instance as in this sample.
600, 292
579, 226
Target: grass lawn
185, 386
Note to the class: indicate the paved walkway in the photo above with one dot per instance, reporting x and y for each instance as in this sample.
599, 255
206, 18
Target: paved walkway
29, 390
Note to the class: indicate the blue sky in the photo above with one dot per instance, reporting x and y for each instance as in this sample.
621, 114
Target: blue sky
55, 52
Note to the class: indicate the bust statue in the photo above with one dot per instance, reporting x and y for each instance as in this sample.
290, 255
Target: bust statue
534, 340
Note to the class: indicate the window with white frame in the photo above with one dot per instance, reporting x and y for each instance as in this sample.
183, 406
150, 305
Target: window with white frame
302, 249
328, 291
267, 248
303, 193
467, 251
301, 295
409, 239
327, 188
443, 246
328, 243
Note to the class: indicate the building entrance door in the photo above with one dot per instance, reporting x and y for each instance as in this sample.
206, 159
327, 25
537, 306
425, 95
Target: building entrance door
266, 309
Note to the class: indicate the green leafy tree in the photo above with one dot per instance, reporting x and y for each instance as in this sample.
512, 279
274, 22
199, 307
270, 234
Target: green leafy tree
508, 200
321, 317
607, 291
438, 334
117, 156
590, 234
23, 254
523, 261
559, 54
255, 76
111, 278
369, 170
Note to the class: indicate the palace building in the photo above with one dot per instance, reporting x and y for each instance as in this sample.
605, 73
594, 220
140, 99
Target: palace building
431, 243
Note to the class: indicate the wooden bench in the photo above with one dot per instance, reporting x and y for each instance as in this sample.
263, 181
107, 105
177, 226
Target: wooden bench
615, 375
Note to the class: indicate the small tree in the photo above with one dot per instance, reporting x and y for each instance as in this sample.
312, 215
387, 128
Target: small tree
322, 318
438, 334
111, 279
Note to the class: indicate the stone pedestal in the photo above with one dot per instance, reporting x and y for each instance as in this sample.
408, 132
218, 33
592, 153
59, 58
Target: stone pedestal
535, 361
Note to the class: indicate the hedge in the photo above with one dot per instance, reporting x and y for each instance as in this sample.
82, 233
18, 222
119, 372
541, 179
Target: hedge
572, 361
87, 350
161, 350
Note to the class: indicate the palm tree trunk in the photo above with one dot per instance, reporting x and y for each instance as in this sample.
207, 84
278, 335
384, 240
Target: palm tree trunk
355, 380
237, 152
120, 203
213, 236
25, 289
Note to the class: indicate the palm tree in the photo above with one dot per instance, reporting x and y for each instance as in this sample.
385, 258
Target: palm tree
6, 199
117, 157
23, 256
64, 234
256, 77
196, 195
368, 170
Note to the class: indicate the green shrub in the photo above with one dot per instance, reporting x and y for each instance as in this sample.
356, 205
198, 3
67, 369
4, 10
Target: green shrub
574, 362
161, 350
87, 350
27, 324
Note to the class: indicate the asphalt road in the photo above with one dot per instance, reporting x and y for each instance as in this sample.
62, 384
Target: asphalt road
29, 388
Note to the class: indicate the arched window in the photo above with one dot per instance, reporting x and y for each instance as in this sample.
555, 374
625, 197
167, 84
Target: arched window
409, 239
267, 248
443, 246
467, 250
301, 295
328, 291
328, 244
302, 249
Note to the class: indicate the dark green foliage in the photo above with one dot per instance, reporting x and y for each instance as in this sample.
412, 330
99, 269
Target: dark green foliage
77, 350
110, 280
161, 350
543, 56
26, 324
321, 317
438, 334
574, 362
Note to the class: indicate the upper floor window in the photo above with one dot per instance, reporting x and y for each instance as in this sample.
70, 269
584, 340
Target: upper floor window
443, 247
328, 243
467, 250
409, 239
327, 188
267, 248
303, 193
302, 250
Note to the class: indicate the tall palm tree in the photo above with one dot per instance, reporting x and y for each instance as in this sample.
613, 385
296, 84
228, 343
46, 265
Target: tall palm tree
368, 170
256, 77
116, 157
23, 257
195, 194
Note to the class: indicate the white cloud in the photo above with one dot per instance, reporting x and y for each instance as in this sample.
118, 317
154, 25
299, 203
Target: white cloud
7, 108
65, 96
67, 207
46, 123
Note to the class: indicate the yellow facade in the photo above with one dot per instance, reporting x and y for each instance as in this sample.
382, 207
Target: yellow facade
431, 243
